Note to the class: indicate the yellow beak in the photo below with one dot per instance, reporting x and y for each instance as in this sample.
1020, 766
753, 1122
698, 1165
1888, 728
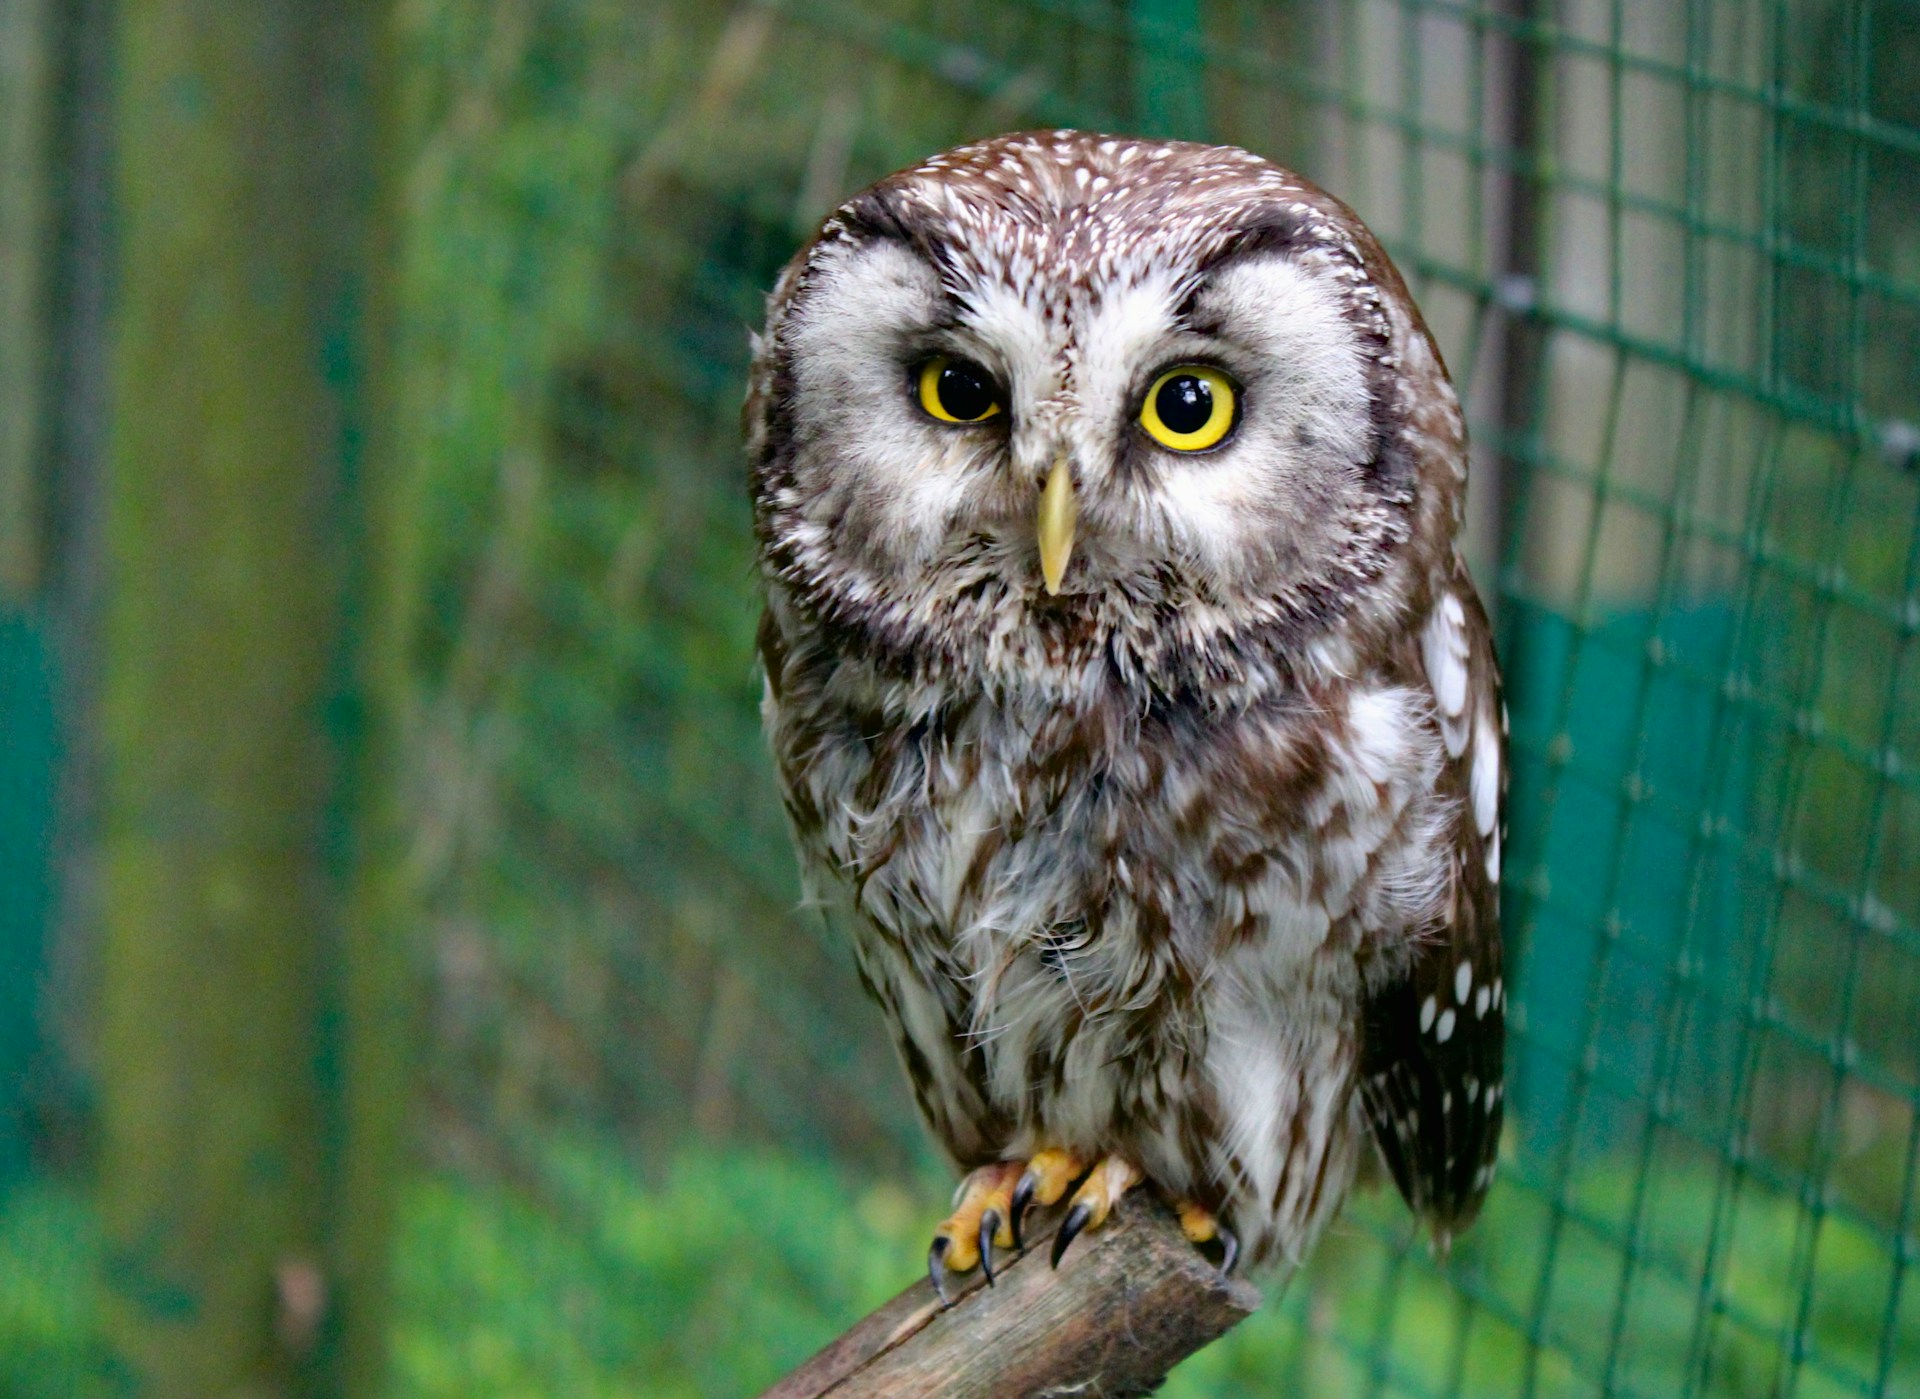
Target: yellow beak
1057, 513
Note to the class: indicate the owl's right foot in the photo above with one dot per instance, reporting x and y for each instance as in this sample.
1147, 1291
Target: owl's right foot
1094, 1200
982, 1217
1045, 1180
990, 1208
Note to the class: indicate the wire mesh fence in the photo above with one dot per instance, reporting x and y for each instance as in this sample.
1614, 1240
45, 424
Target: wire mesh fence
1672, 256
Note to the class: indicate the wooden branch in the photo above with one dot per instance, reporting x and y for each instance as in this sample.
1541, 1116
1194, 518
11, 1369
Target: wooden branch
1129, 1300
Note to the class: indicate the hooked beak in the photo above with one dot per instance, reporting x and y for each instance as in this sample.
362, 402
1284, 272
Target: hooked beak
1057, 512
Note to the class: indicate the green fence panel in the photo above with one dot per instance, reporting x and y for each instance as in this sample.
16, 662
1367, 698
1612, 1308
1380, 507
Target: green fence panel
27, 766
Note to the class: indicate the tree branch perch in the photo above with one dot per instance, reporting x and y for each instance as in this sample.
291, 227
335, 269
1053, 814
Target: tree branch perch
1129, 1301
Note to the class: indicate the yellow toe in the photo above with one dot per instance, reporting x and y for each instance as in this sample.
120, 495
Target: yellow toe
990, 1187
1103, 1187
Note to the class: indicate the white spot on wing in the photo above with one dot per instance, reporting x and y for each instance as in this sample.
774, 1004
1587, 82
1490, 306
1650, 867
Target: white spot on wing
1444, 649
1462, 982
1443, 1028
1428, 1008
1484, 781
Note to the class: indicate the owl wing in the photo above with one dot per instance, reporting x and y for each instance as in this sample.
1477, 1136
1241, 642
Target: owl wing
1434, 1036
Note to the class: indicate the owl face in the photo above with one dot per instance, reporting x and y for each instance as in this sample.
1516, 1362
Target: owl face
1065, 391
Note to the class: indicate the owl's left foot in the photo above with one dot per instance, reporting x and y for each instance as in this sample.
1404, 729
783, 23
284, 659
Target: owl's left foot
1201, 1226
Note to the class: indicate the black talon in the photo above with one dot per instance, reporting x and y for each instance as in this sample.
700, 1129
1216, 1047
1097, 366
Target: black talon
936, 1267
1229, 1249
1022, 1200
1070, 1228
989, 1226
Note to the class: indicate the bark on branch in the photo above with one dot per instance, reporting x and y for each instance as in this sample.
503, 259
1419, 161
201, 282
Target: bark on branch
1129, 1301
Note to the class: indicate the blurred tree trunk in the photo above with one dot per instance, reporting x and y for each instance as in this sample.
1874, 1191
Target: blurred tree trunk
26, 71
250, 1082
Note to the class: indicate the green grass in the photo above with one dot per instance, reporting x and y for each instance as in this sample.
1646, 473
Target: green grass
728, 1268
50, 1343
713, 1281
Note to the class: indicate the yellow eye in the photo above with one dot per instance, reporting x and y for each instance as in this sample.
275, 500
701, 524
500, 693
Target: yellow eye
957, 390
1189, 408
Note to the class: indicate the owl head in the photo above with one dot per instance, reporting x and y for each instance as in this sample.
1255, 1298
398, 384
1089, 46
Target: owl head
1061, 402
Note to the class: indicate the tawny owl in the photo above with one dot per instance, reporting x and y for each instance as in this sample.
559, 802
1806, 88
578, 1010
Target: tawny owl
1134, 712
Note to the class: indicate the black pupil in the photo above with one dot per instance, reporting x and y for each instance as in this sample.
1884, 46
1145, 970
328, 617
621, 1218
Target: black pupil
1184, 403
965, 391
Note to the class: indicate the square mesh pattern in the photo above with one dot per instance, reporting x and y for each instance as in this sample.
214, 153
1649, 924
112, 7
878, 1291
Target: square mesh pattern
1672, 254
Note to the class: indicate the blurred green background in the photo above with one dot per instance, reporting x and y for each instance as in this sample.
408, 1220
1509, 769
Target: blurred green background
402, 989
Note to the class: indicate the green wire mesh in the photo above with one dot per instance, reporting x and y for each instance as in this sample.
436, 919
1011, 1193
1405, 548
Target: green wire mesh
1672, 254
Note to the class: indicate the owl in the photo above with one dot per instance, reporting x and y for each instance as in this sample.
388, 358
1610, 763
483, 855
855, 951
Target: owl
1134, 712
